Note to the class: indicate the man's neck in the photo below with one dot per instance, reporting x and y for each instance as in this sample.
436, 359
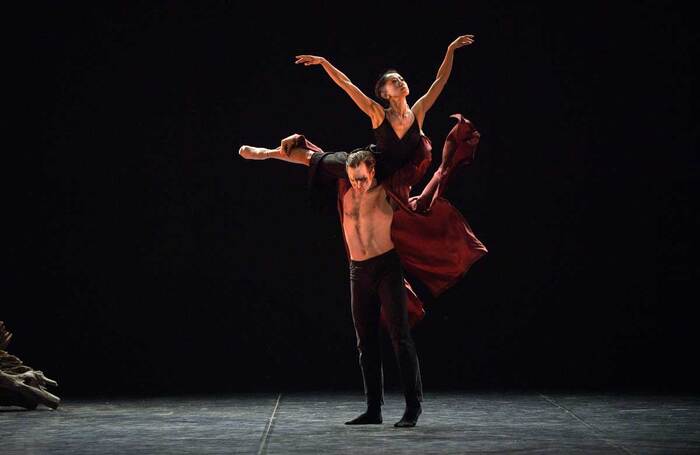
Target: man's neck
371, 189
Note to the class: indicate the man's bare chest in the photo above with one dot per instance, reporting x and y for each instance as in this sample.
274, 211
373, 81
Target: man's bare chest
367, 206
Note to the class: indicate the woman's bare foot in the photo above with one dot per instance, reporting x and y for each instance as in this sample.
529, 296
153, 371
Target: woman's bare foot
257, 153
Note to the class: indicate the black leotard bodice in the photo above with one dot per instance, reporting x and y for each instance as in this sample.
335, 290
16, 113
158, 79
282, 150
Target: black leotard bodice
393, 153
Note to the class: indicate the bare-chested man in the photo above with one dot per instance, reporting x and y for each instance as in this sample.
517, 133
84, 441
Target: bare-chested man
376, 278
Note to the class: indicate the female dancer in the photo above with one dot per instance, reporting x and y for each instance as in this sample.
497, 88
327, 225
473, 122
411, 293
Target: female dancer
397, 130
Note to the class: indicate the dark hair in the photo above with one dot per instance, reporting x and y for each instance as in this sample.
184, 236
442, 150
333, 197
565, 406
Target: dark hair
380, 83
360, 156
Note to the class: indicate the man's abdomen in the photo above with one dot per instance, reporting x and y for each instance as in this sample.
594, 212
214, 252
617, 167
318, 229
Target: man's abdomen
369, 233
367, 238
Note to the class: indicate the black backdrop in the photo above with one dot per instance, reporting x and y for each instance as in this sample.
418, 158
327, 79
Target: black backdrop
146, 256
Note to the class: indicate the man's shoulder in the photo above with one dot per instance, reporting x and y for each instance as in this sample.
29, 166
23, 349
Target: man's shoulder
343, 187
387, 195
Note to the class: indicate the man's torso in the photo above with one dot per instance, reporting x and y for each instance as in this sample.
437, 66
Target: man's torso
367, 223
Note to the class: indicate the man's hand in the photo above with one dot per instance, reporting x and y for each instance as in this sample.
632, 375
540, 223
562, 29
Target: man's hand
309, 60
418, 204
464, 40
288, 143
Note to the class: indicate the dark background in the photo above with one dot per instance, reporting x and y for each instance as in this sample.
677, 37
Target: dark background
145, 256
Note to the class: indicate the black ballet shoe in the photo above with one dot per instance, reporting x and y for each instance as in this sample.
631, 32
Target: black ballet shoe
370, 417
410, 417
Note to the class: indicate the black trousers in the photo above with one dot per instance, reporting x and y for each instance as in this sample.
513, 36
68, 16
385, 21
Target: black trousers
377, 283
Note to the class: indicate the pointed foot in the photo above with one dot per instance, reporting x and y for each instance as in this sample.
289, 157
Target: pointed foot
254, 153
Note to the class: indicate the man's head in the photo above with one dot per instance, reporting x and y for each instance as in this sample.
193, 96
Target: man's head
360, 168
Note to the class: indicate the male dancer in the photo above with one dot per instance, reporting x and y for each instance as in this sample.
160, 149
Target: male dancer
379, 220
376, 281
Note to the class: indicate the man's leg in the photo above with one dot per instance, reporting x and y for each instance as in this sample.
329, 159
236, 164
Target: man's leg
365, 315
392, 294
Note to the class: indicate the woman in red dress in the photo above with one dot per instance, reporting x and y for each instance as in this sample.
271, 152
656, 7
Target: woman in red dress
435, 242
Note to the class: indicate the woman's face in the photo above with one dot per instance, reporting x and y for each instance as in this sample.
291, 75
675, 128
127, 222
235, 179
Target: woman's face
395, 86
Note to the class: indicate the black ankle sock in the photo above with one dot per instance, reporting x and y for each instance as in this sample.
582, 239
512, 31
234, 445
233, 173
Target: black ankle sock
410, 416
373, 415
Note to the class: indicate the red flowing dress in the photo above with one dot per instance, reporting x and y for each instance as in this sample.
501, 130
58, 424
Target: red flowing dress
434, 241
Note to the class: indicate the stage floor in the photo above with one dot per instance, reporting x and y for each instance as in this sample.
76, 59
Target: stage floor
310, 423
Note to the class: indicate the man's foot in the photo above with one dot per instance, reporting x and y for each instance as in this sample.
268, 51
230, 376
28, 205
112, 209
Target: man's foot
256, 153
368, 418
410, 416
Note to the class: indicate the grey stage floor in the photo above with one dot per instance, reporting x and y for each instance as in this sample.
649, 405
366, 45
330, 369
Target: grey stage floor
312, 423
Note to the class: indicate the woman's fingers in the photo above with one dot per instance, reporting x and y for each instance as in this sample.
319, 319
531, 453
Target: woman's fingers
465, 40
308, 59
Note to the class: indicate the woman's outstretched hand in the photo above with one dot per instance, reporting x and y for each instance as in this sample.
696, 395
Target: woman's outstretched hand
309, 60
464, 40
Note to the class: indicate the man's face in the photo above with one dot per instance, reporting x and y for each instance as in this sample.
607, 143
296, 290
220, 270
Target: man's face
360, 177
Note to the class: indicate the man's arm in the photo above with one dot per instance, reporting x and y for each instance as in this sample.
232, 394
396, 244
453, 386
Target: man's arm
392, 203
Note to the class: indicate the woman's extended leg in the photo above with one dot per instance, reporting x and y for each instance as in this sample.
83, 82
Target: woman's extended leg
296, 155
293, 148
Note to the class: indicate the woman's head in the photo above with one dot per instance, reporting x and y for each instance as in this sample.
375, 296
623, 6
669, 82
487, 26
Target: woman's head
390, 85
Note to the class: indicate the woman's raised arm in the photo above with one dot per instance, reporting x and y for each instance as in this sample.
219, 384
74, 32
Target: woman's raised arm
367, 105
425, 102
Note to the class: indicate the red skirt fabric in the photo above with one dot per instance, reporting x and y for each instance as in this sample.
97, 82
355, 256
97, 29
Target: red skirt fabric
434, 241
